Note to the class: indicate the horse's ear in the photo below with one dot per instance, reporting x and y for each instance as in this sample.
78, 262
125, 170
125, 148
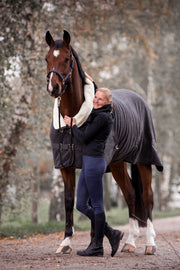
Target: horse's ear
66, 38
49, 39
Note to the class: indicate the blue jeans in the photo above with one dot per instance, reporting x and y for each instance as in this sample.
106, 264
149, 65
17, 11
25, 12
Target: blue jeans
90, 187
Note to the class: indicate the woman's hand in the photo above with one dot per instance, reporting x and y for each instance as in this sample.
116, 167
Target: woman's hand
67, 120
89, 77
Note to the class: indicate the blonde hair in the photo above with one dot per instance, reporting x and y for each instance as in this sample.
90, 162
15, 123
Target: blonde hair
107, 92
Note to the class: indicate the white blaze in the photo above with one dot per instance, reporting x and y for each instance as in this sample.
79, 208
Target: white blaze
50, 84
55, 53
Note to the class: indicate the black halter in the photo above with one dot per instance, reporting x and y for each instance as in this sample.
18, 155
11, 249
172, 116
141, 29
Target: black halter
64, 79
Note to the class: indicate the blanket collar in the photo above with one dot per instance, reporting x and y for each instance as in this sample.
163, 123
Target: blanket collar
84, 111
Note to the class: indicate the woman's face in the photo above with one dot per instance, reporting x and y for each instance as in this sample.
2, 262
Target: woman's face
100, 100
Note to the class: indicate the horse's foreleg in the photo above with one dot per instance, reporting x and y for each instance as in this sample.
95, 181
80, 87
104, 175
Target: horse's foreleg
130, 245
147, 195
150, 239
68, 175
120, 174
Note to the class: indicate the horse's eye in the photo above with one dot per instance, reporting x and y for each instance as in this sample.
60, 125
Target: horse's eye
67, 59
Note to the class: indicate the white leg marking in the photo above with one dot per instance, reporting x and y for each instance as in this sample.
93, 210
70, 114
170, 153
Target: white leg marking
150, 234
66, 242
133, 232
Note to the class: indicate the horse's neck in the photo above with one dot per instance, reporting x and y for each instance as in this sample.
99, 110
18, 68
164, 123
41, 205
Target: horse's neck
73, 97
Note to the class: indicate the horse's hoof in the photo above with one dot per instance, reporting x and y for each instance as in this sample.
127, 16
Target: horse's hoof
128, 248
63, 250
150, 250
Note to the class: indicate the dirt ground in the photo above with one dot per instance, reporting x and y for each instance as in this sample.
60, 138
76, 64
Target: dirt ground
38, 252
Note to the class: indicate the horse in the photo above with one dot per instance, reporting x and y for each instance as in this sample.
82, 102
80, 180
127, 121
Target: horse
66, 81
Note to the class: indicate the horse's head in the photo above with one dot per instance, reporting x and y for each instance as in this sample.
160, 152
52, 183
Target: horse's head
59, 64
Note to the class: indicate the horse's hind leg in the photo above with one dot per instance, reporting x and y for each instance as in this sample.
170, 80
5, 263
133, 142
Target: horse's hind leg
120, 174
147, 196
68, 175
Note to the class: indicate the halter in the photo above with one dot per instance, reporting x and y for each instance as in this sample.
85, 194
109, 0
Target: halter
64, 79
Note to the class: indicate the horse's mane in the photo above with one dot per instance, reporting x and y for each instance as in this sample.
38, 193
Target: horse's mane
81, 72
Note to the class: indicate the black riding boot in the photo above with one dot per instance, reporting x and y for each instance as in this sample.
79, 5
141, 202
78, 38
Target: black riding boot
114, 237
90, 215
94, 249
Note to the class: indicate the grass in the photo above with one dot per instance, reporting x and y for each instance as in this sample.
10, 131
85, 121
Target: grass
25, 229
166, 213
19, 226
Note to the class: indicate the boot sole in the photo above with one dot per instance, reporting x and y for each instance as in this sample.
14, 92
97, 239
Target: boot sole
90, 255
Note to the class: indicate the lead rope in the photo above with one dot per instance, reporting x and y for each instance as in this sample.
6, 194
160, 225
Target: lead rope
59, 100
71, 146
71, 121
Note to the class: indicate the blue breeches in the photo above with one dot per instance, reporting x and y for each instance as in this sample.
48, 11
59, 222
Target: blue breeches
90, 187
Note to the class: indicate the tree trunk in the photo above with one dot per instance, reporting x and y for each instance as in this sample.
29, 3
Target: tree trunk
56, 210
120, 199
1, 204
35, 197
106, 185
165, 182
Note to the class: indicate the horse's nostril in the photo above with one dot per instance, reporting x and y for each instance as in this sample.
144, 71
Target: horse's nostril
56, 87
55, 90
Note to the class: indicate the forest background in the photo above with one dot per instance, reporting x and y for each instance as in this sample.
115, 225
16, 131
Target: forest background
131, 44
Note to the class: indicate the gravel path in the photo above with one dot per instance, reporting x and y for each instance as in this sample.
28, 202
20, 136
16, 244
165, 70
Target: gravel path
38, 252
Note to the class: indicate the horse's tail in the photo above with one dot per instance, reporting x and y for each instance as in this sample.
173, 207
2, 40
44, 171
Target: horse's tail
139, 205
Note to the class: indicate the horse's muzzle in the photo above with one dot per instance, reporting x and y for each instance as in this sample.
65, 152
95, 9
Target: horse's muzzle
55, 92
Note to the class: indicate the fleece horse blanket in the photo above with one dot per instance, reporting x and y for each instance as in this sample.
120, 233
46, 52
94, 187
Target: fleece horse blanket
132, 138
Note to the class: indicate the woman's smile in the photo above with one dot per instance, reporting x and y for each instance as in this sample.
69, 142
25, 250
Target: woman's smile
99, 100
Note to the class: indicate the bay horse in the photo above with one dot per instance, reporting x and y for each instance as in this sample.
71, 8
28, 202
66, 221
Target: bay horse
66, 81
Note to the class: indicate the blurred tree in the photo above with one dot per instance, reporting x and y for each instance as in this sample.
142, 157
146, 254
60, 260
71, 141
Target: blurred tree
57, 210
106, 189
35, 195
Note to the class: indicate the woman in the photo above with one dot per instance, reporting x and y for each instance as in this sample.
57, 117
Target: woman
90, 186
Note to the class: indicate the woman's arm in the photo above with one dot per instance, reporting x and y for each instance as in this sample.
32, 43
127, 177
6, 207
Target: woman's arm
91, 130
78, 133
